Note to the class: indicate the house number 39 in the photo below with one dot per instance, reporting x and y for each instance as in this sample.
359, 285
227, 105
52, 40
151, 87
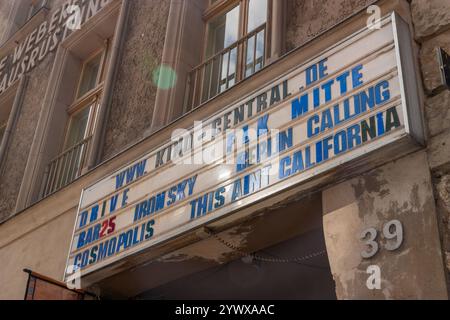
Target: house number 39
392, 232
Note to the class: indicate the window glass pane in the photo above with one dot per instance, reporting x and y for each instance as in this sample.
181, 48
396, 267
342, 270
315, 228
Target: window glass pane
220, 72
223, 31
89, 75
77, 128
260, 50
232, 66
257, 14
22, 15
250, 54
35, 6
228, 75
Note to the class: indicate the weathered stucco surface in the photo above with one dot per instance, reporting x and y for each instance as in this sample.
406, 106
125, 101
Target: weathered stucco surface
400, 190
308, 18
134, 94
430, 16
443, 196
22, 136
438, 113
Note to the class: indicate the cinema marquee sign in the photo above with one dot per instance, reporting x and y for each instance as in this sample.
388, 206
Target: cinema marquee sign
352, 103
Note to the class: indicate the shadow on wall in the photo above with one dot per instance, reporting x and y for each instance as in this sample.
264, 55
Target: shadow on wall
244, 279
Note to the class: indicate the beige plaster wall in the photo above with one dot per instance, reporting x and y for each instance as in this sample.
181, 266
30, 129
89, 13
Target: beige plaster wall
400, 190
308, 18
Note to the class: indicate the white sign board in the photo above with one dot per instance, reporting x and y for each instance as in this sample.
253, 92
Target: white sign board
340, 106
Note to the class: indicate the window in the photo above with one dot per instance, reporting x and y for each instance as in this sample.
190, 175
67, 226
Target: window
90, 77
257, 16
220, 74
70, 164
75, 104
26, 10
35, 6
235, 47
83, 111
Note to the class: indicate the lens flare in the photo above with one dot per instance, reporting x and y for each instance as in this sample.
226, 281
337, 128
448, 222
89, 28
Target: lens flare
164, 77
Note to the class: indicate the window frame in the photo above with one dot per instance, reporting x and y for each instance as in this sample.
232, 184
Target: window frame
57, 168
21, 19
34, 8
223, 6
214, 10
107, 23
91, 122
100, 75
90, 99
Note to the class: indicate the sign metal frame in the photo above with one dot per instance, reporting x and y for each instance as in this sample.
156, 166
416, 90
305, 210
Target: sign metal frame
365, 159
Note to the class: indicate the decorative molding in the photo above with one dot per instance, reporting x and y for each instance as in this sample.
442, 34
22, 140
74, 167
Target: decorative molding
277, 30
31, 182
179, 53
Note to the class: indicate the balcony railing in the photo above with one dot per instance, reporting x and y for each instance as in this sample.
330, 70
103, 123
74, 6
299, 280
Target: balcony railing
65, 168
223, 70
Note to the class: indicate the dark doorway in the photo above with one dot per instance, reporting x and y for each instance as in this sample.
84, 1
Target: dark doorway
285, 258
253, 279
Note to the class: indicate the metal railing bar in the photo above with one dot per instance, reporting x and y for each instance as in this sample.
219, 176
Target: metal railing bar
233, 45
220, 73
201, 88
228, 70
66, 167
255, 44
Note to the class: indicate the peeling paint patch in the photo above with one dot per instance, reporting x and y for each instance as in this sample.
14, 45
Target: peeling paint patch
211, 249
399, 190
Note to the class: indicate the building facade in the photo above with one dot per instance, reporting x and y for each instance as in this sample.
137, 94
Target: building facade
118, 118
